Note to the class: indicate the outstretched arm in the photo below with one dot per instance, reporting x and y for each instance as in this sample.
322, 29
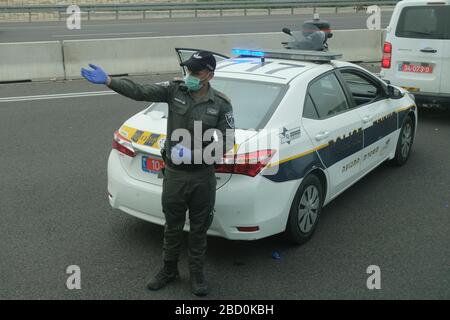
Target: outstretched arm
126, 87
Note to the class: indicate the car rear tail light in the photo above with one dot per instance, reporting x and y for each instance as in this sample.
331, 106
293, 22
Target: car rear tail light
387, 56
248, 229
249, 164
123, 145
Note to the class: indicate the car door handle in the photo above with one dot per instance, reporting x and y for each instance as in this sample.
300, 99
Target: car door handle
367, 119
322, 135
428, 50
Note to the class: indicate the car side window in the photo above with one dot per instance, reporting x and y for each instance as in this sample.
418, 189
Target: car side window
362, 90
328, 97
309, 109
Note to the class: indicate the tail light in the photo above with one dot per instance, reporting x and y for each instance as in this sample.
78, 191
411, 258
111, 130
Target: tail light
387, 56
249, 164
123, 145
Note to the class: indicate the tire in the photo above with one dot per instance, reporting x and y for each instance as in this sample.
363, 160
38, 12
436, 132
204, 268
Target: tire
305, 211
404, 143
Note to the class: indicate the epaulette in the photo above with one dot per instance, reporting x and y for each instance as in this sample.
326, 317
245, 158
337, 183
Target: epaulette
180, 83
221, 95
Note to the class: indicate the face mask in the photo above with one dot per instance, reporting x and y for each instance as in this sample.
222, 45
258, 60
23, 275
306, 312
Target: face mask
193, 83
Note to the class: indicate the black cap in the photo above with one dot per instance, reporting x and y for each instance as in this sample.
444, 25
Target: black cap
200, 60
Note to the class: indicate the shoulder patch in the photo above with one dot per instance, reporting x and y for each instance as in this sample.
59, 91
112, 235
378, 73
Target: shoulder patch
230, 119
178, 79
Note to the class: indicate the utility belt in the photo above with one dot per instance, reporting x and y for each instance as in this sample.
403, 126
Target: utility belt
183, 166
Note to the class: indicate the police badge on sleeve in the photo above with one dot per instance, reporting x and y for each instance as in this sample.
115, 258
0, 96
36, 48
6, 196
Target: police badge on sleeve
230, 119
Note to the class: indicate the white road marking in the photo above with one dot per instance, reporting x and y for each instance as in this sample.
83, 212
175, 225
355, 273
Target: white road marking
98, 34
58, 96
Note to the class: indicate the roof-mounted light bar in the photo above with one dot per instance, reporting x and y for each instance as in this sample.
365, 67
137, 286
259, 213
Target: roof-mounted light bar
289, 54
248, 53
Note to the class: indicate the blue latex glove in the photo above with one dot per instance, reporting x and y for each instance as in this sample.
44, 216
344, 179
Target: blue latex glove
97, 75
180, 154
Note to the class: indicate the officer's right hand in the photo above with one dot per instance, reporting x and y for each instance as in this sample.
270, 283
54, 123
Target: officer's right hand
180, 154
97, 75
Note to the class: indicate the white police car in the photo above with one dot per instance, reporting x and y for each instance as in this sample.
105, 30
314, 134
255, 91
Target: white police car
334, 122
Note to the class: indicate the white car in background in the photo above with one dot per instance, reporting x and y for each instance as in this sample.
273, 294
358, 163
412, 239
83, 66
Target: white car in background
417, 50
336, 122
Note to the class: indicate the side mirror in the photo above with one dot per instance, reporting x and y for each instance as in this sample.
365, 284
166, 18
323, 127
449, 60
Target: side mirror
394, 93
287, 31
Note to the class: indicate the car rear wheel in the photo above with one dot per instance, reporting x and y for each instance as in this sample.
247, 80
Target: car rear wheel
305, 210
404, 143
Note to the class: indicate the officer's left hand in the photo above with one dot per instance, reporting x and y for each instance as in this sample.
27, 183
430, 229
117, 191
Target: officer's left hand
97, 75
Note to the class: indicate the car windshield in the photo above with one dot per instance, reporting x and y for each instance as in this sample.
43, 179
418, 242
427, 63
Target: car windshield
253, 101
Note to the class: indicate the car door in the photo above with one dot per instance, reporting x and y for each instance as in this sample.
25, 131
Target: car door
445, 83
334, 129
185, 53
418, 46
378, 117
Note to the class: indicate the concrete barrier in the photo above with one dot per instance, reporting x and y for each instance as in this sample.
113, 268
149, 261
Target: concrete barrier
357, 45
157, 55
31, 61
50, 60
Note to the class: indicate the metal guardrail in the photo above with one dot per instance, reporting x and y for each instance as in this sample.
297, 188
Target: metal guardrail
195, 6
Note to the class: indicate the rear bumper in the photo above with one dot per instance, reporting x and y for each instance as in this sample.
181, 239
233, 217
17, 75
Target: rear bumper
243, 202
432, 98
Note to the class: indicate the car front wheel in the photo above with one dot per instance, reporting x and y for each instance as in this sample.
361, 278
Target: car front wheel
405, 141
305, 210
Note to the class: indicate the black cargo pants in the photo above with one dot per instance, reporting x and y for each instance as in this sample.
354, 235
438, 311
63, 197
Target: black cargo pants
195, 192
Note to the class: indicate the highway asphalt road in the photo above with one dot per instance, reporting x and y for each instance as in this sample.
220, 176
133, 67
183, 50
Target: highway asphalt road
51, 31
55, 213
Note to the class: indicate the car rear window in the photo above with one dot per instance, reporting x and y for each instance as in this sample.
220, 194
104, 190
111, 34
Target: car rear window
253, 101
424, 22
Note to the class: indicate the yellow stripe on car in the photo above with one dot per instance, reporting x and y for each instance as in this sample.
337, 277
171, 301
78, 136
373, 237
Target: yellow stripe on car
326, 144
129, 132
297, 156
404, 108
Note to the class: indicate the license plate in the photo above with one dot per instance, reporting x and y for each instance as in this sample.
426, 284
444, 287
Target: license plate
415, 68
152, 165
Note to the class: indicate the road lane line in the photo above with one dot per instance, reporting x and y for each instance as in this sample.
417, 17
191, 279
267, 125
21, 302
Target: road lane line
58, 96
98, 34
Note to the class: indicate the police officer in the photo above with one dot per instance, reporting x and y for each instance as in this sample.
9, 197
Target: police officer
189, 182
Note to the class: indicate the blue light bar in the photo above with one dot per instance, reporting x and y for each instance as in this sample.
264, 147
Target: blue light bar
289, 54
248, 53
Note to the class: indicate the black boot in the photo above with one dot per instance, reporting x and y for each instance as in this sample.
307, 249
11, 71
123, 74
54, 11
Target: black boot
168, 273
199, 286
